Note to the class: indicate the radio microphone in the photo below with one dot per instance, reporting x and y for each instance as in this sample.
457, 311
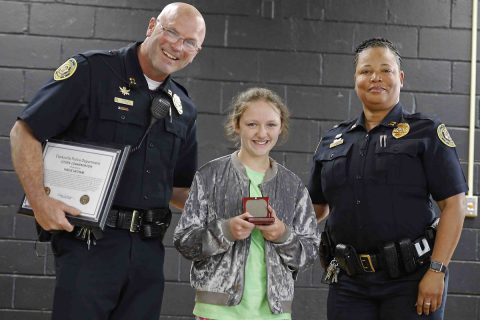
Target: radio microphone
159, 109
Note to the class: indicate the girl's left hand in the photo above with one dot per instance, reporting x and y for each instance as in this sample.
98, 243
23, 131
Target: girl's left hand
275, 230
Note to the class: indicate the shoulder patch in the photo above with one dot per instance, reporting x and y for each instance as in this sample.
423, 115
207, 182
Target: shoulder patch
444, 136
66, 70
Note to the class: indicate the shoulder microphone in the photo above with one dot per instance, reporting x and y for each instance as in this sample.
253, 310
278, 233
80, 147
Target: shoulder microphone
159, 109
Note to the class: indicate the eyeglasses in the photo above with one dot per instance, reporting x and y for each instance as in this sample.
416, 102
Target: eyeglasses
189, 45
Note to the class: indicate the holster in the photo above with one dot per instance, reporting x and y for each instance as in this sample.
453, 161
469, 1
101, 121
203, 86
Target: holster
347, 259
155, 224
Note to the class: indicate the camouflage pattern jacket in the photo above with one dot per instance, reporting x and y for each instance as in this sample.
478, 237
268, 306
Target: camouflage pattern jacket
202, 234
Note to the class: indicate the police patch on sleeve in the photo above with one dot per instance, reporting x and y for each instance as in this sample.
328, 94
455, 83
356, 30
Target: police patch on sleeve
66, 70
444, 136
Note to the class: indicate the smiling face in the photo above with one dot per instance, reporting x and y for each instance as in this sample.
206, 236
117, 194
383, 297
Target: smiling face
378, 79
159, 55
258, 128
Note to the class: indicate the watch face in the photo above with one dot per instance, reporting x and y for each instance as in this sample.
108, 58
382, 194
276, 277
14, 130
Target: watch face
437, 266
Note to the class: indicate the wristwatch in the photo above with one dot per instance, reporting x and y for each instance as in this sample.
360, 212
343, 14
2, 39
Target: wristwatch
436, 266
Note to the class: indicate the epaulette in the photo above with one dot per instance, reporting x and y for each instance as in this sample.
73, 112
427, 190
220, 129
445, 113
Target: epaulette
180, 86
420, 116
101, 52
345, 123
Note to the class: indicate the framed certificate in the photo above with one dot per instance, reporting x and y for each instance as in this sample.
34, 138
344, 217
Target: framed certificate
83, 176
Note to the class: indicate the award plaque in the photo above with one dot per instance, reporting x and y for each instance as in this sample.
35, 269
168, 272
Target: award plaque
258, 208
83, 176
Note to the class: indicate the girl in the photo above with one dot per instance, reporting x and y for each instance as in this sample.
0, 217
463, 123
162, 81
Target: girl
242, 270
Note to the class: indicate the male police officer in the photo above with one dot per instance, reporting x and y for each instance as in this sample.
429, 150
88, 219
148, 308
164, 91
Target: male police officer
105, 97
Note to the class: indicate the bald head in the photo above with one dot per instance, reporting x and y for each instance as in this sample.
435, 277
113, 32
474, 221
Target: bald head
176, 9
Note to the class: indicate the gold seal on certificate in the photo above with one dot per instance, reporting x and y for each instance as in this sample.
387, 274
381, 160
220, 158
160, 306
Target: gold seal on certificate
84, 199
83, 176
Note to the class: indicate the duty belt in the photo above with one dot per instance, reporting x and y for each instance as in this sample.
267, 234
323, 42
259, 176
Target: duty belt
396, 258
152, 223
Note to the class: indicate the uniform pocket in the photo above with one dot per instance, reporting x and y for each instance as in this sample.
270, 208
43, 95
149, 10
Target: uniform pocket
399, 162
335, 166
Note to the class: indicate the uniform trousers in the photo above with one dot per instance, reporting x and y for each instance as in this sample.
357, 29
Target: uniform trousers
374, 296
121, 277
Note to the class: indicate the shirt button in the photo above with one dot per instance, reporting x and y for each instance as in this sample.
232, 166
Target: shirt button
148, 171
358, 202
122, 117
145, 197
151, 145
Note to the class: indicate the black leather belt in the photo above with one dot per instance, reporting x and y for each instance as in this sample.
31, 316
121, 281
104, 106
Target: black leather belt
150, 223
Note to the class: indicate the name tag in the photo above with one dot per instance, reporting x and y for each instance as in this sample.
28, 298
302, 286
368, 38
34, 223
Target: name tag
123, 101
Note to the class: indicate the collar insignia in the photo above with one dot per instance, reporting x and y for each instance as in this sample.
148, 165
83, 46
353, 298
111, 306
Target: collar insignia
400, 130
132, 82
392, 124
125, 91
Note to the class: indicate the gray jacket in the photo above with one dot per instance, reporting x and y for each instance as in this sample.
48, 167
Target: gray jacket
202, 234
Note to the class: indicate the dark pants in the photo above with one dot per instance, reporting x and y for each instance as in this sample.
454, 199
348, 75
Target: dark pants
121, 277
376, 297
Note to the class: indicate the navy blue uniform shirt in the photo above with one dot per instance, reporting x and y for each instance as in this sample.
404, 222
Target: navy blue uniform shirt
106, 100
379, 184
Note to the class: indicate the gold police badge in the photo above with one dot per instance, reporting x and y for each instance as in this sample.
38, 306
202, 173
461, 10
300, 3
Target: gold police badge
66, 70
400, 130
444, 136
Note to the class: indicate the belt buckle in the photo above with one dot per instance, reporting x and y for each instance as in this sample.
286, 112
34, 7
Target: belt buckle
135, 223
366, 262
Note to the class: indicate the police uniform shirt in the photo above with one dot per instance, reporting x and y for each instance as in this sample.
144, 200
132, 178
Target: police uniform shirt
102, 97
378, 183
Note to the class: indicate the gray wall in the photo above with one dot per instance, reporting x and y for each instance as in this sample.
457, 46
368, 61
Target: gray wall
300, 48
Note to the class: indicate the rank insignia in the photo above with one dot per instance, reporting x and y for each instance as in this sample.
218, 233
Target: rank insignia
125, 91
66, 70
444, 136
336, 142
177, 103
401, 130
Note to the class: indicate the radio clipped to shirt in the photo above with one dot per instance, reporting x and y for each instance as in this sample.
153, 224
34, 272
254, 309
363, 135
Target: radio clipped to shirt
258, 208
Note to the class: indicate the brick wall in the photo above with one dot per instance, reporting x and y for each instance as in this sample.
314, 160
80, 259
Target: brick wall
300, 48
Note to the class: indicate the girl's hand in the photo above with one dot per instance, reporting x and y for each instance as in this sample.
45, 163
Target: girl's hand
240, 228
274, 231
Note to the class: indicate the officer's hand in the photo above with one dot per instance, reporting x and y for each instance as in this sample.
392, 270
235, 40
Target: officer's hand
50, 214
430, 292
275, 230
239, 227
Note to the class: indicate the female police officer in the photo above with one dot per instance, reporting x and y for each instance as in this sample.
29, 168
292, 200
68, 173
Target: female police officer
374, 177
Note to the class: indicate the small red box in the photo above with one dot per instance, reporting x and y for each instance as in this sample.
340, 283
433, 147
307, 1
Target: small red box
258, 208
